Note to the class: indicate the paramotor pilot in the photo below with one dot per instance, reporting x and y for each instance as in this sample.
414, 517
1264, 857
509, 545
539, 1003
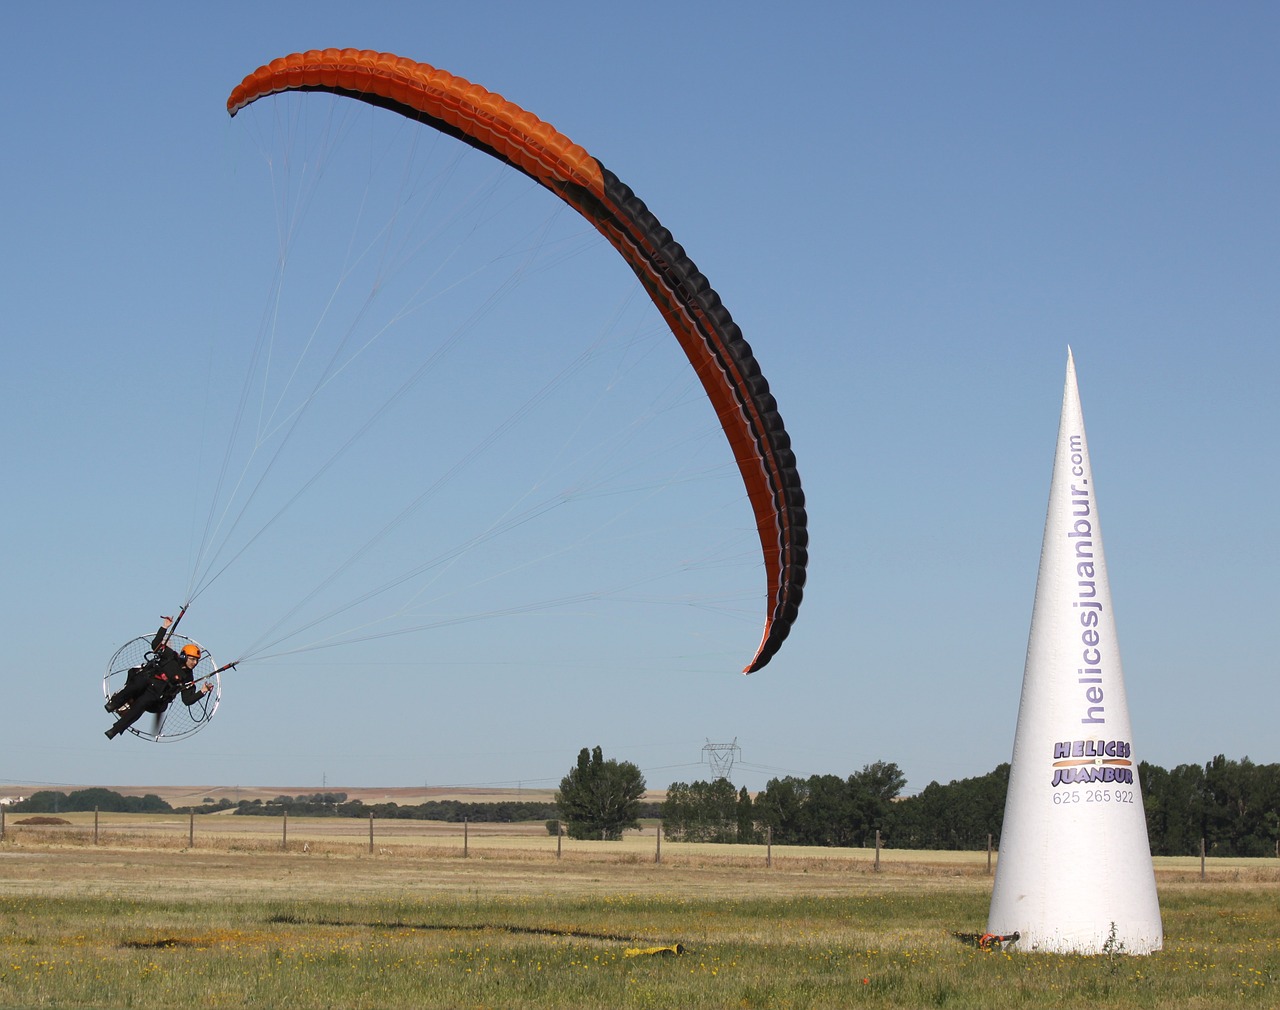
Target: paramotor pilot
152, 686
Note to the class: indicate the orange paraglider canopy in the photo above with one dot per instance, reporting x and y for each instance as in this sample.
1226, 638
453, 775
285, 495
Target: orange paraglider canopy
713, 343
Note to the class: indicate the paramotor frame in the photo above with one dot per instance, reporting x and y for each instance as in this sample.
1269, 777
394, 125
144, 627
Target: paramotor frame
176, 721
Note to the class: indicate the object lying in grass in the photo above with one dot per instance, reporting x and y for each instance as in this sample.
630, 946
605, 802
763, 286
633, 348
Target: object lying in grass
42, 821
669, 951
988, 941
163, 943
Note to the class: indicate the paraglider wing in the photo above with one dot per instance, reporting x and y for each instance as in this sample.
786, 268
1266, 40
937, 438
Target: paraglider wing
713, 343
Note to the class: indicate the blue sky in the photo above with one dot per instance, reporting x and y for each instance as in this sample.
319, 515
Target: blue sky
911, 210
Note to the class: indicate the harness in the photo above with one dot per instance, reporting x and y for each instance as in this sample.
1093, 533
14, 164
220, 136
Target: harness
152, 665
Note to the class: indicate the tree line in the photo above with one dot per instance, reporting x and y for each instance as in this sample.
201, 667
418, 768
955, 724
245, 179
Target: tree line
49, 801
314, 805
336, 804
451, 811
1233, 806
818, 810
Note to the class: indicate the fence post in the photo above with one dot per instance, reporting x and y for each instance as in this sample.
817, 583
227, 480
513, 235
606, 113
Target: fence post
465, 839
768, 845
877, 867
284, 832
371, 832
1202, 859
657, 855
191, 831
1, 822
988, 853
95, 825
559, 838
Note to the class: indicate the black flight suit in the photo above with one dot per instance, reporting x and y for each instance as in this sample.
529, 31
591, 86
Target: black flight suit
152, 686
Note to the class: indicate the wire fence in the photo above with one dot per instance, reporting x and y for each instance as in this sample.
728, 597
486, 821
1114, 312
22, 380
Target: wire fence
416, 839
385, 837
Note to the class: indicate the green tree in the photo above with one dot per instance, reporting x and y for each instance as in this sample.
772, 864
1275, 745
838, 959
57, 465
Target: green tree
711, 813
677, 811
95, 798
869, 795
779, 808
746, 817
700, 812
958, 815
828, 815
1238, 797
599, 798
46, 801
1174, 801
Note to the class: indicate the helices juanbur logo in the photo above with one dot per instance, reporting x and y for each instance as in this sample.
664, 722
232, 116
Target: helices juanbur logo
1092, 761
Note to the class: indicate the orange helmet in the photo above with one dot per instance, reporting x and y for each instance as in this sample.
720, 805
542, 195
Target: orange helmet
191, 649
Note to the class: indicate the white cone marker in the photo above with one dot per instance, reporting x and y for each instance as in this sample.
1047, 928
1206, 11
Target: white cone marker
1074, 873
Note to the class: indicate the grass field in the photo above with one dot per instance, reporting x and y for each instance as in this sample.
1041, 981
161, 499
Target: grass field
246, 916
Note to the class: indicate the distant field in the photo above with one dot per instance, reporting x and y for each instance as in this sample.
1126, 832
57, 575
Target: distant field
185, 796
393, 837
416, 839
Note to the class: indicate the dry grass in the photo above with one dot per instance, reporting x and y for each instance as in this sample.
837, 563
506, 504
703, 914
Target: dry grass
326, 858
142, 918
300, 839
